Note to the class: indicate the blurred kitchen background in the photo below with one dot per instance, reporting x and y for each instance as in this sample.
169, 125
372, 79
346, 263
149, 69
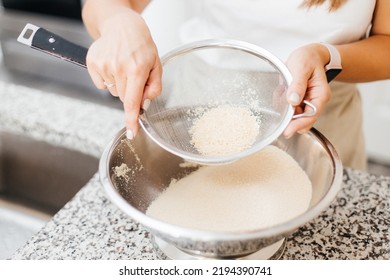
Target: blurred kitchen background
22, 65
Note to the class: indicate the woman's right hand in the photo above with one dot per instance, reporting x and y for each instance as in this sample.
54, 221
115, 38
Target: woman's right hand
307, 67
125, 60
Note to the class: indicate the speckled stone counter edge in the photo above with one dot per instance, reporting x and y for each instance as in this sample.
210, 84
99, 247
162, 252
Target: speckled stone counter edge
355, 226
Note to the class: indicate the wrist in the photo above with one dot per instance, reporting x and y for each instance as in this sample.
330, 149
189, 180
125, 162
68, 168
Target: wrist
119, 17
331, 60
323, 53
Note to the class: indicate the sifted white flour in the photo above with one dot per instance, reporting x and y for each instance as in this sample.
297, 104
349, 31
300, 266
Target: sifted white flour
120, 171
224, 130
259, 191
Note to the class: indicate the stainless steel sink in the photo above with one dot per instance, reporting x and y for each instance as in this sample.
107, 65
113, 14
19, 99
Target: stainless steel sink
36, 180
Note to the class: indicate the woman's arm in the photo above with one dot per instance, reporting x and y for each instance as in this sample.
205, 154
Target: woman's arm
95, 12
124, 57
369, 59
362, 61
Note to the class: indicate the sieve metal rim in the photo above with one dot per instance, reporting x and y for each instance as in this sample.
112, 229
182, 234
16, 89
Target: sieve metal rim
226, 44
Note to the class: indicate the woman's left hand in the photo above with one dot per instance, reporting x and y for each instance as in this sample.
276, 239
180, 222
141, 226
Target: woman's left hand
307, 66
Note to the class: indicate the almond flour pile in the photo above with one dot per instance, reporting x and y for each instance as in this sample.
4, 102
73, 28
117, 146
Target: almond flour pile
224, 130
259, 191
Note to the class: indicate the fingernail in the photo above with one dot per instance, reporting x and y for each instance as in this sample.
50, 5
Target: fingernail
294, 98
129, 134
146, 104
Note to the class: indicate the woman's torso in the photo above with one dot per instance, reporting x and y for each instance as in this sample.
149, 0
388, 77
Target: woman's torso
279, 26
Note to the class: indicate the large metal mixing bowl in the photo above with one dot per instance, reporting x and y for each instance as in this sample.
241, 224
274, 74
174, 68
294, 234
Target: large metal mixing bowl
150, 169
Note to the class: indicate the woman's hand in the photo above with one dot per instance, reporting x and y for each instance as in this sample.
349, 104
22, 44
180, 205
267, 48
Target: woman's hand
125, 60
307, 66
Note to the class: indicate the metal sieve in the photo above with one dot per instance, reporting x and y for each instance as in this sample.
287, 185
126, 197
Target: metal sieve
197, 78
207, 74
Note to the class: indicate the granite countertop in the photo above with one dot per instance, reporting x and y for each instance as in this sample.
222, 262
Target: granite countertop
355, 226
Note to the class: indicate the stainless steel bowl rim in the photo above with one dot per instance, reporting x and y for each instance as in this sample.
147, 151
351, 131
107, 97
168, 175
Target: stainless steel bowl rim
208, 236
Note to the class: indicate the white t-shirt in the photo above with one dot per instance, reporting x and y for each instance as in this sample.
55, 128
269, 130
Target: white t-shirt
279, 26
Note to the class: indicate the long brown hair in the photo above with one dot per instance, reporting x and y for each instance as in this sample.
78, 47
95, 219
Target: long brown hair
333, 4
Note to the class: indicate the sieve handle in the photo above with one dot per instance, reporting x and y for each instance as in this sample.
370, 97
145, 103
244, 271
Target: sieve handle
53, 44
307, 114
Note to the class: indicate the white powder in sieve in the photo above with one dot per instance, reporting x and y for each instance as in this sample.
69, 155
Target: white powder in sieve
224, 130
259, 191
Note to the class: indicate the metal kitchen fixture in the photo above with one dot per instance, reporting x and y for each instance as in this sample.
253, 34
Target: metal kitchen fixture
207, 74
150, 169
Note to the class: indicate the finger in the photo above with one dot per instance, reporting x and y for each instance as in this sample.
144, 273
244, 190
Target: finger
297, 90
96, 78
110, 84
303, 124
301, 76
300, 125
113, 90
153, 85
94, 69
132, 101
100, 71
278, 93
120, 85
295, 96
